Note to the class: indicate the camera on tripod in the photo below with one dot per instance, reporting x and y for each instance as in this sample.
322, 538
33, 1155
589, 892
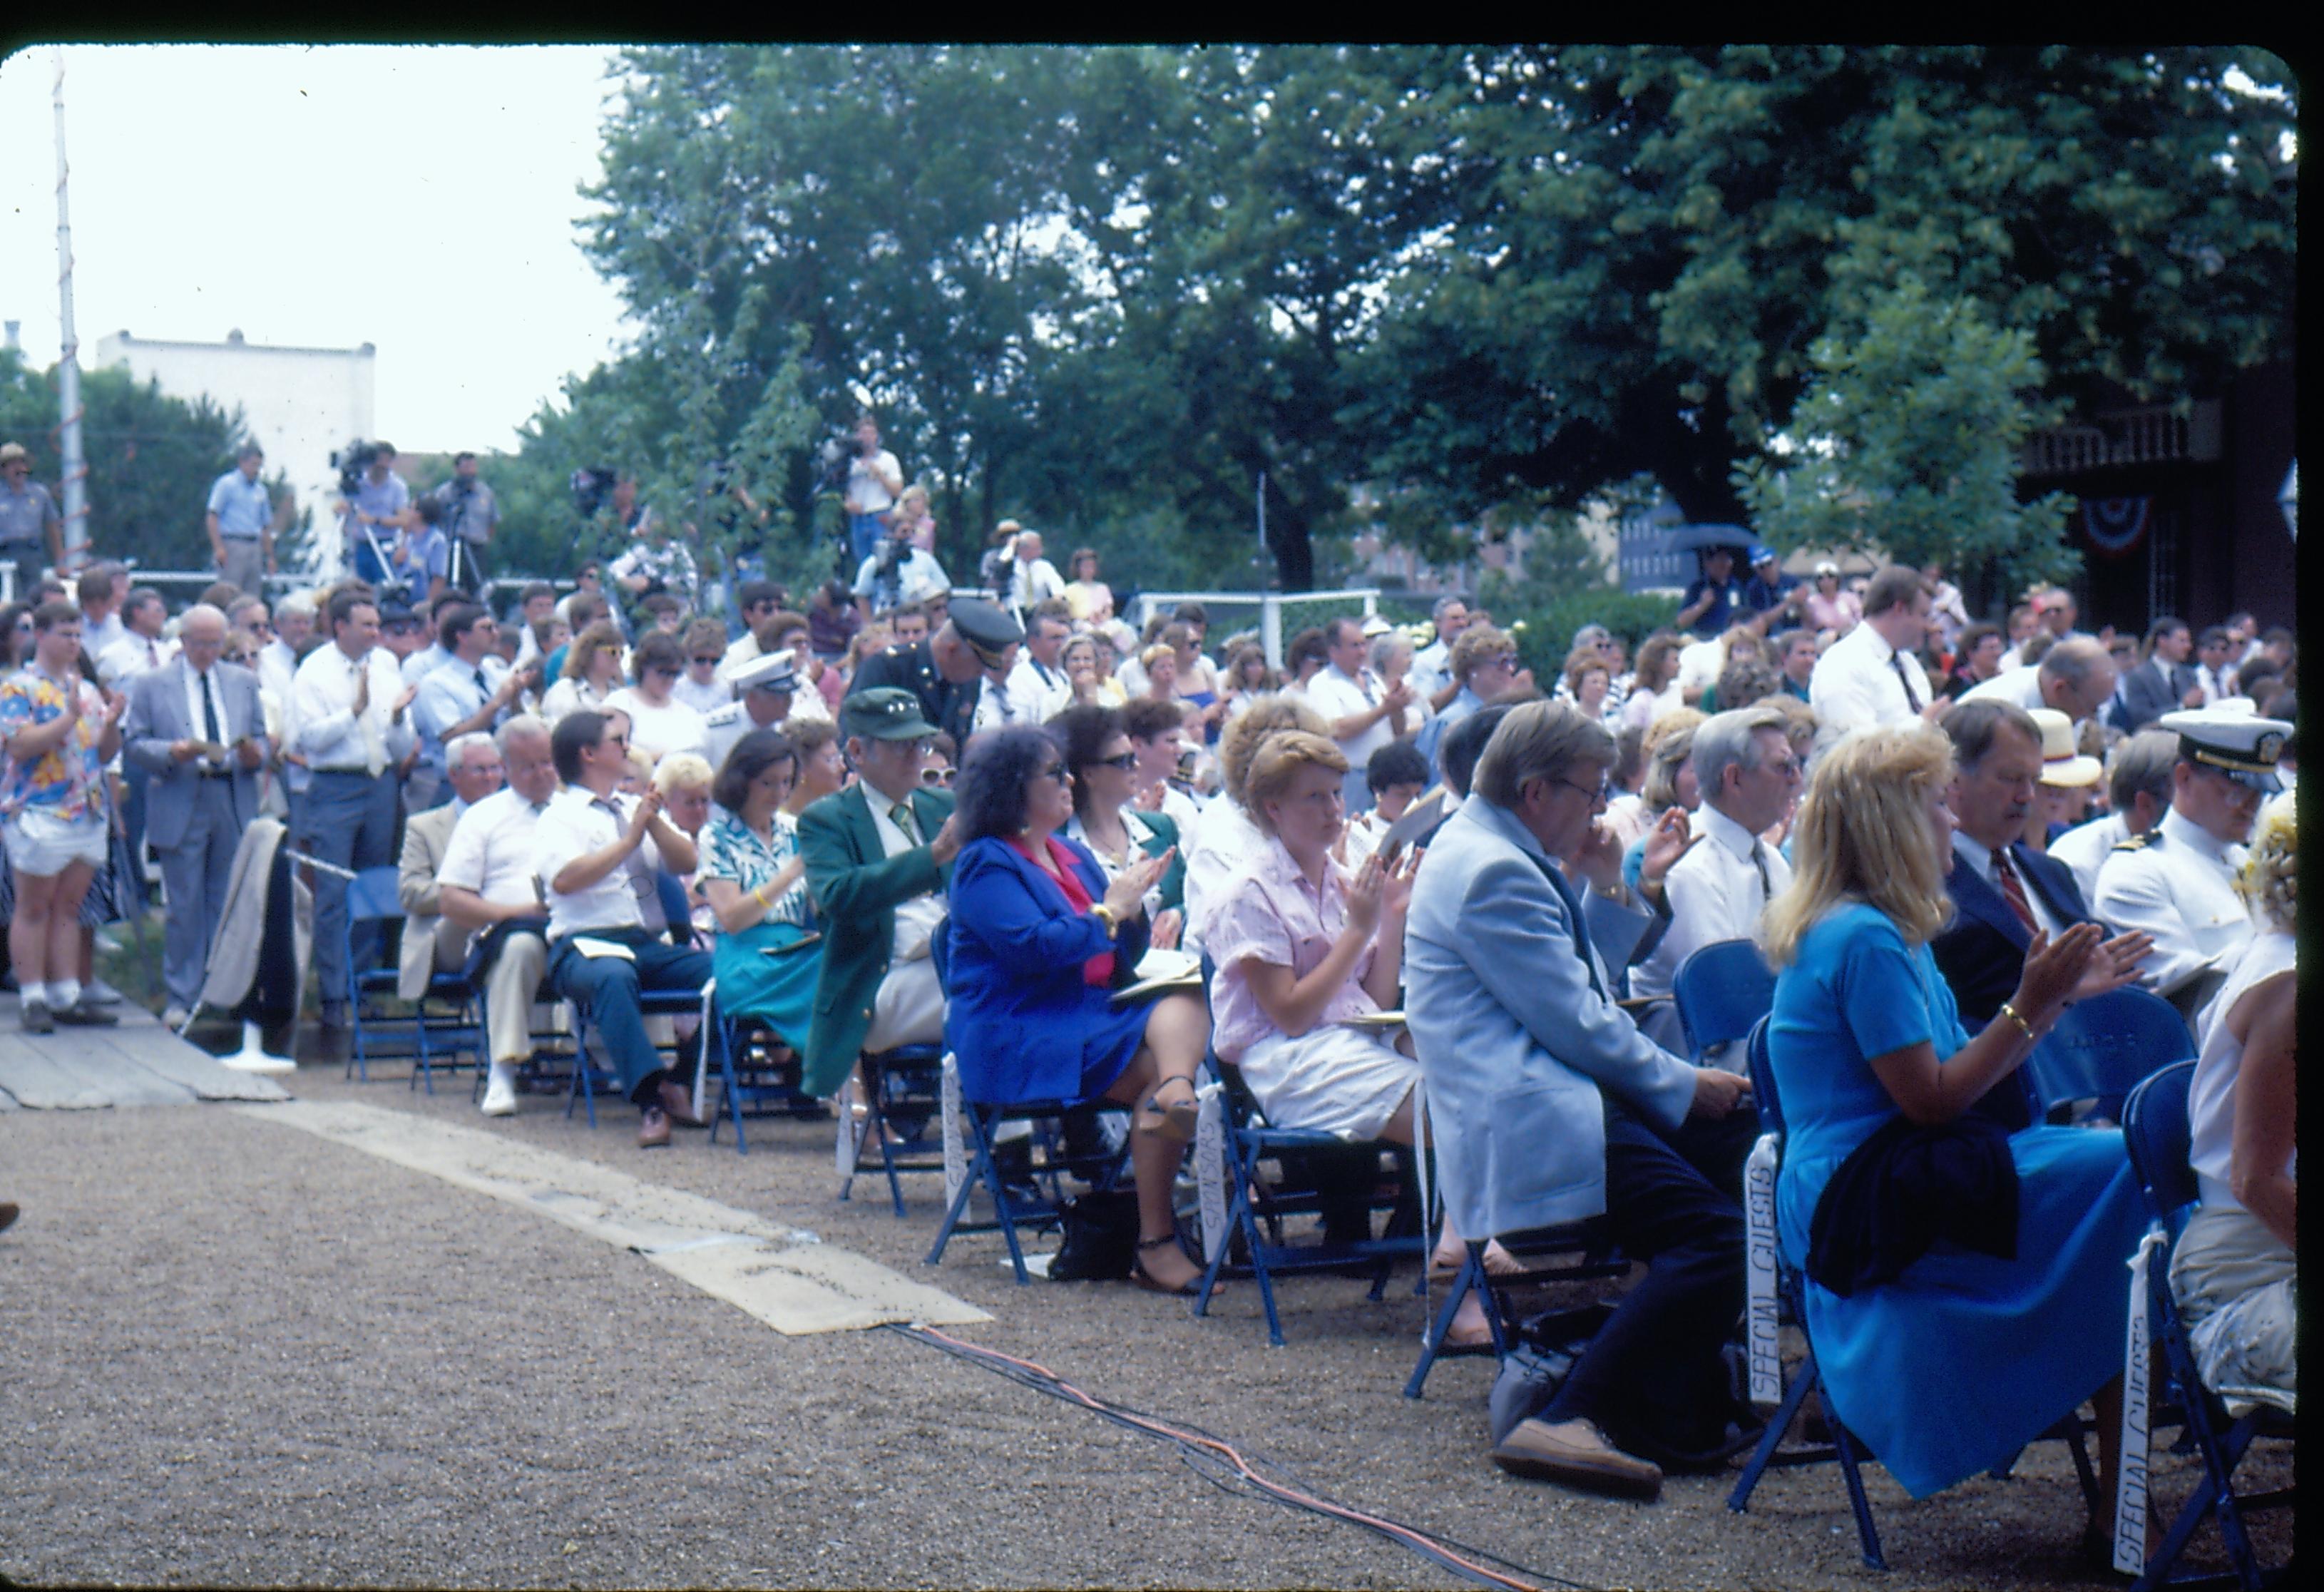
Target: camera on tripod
351, 462
589, 489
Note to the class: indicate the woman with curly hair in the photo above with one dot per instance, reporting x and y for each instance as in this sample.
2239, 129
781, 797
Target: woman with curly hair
1041, 939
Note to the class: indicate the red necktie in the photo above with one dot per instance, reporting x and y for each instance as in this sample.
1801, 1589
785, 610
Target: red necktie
2013, 890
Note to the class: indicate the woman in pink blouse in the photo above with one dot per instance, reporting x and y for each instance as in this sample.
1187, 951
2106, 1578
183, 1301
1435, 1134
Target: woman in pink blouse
1301, 948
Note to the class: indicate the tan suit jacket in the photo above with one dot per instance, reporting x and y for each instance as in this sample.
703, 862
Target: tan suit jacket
431, 943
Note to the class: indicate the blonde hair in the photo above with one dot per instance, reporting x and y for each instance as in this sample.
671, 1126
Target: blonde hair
2270, 881
1265, 715
1538, 741
1278, 761
682, 771
1670, 742
1473, 646
1863, 834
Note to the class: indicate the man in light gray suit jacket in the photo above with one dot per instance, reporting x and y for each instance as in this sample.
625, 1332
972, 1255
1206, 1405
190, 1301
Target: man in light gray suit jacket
196, 727
433, 943
1550, 1106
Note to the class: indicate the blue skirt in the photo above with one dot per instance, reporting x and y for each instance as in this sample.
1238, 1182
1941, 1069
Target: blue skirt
778, 990
1963, 1360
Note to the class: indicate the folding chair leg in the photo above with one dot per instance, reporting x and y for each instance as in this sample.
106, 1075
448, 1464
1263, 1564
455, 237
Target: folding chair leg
1803, 1380
2214, 1495
1469, 1276
732, 1087
1868, 1534
1238, 1221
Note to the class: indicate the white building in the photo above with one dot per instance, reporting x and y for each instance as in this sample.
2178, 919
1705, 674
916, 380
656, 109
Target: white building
299, 404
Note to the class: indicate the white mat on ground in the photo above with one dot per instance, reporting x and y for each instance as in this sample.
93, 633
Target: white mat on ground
787, 1277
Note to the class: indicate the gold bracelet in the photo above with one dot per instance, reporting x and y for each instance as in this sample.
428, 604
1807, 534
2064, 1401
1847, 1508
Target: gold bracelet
2023, 1027
1104, 915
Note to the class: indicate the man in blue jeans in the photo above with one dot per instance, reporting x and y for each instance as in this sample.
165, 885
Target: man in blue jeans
594, 850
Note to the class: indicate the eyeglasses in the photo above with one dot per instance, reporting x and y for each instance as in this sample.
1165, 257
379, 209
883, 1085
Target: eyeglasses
1055, 771
669, 671
710, 662
936, 776
1787, 770
1598, 792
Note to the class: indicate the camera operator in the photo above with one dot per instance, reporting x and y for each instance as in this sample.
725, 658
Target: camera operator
654, 561
377, 508
874, 481
468, 513
898, 573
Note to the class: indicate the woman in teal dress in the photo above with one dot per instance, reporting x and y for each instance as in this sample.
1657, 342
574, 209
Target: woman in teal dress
1947, 1364
767, 952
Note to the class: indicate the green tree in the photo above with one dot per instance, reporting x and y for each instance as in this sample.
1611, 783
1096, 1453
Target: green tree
151, 458
1908, 440
1651, 240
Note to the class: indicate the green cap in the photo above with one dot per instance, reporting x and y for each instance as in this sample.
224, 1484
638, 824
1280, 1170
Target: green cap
888, 713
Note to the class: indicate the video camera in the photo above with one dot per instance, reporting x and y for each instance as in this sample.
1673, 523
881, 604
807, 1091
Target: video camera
351, 462
589, 489
832, 460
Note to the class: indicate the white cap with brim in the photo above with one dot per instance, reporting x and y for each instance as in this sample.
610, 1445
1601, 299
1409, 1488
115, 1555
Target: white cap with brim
773, 672
2242, 746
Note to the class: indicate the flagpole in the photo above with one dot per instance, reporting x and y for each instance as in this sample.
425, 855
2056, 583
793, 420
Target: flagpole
75, 467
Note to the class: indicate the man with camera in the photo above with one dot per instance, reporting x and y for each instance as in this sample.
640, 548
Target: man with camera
898, 573
874, 481
377, 507
468, 513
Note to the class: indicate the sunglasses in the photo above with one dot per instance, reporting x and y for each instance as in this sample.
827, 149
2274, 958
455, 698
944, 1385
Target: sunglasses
1127, 761
666, 670
710, 662
936, 776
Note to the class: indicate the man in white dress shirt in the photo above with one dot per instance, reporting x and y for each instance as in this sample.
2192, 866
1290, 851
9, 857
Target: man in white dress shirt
1871, 676
2177, 883
1037, 687
1357, 706
1717, 889
1432, 667
141, 645
2076, 677
487, 886
593, 847
468, 693
1032, 579
352, 709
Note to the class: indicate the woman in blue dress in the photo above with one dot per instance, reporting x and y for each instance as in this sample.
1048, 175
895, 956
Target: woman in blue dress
766, 953
1946, 1362
1041, 940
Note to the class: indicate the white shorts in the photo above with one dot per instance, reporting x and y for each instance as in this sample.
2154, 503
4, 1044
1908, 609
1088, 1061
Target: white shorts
41, 845
1331, 1079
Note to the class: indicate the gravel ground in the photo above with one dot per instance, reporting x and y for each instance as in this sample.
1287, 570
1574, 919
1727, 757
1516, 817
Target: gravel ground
238, 1355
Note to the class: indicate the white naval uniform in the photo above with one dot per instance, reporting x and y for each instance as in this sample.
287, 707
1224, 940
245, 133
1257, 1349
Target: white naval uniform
2177, 883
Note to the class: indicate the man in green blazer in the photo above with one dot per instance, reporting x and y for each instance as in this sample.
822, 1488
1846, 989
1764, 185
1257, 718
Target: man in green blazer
878, 857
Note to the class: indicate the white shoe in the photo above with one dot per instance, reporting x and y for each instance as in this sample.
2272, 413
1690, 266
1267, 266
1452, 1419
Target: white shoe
500, 1097
97, 993
174, 1017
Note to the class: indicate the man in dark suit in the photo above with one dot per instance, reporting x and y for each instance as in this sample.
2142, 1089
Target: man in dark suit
878, 856
2003, 891
2165, 682
948, 672
195, 726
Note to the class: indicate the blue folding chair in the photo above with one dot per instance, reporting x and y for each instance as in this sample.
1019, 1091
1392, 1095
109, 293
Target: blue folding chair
904, 1097
587, 1078
751, 1083
1721, 990
2103, 1048
425, 1039
1589, 1240
1251, 1138
1048, 1158
2155, 1129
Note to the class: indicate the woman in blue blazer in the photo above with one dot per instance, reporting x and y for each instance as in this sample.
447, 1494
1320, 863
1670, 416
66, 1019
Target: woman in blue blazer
1039, 942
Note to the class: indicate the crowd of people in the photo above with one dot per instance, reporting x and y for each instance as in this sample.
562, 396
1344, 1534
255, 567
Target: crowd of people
897, 815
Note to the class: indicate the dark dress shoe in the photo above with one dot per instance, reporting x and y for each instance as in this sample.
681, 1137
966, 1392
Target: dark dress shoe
37, 1019
653, 1128
82, 1014
678, 1102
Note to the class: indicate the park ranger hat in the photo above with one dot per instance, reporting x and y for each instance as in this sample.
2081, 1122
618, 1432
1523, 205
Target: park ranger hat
886, 713
2241, 745
2062, 762
773, 672
989, 629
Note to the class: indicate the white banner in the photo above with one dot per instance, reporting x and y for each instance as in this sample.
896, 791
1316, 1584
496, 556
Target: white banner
2130, 1497
1759, 1259
955, 1158
1210, 1168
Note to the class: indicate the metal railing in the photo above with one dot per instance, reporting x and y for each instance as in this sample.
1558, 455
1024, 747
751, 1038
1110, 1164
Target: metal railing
1269, 605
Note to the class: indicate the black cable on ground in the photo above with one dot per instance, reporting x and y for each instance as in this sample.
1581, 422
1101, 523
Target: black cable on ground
1219, 1463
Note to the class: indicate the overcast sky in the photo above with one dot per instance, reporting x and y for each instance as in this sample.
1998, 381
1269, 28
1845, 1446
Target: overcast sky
419, 198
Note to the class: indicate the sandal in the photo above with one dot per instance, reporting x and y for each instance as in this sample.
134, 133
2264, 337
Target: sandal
1499, 1263
1146, 1279
1175, 1121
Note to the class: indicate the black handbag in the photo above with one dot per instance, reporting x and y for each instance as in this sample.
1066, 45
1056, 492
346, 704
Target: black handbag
1100, 1231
